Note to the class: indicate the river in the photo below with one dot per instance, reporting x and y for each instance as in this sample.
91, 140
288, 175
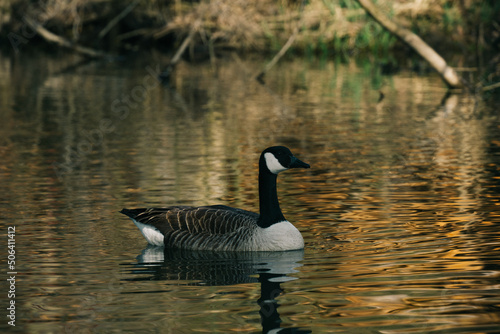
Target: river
399, 211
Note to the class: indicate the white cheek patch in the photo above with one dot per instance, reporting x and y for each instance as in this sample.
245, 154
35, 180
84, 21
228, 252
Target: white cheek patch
273, 164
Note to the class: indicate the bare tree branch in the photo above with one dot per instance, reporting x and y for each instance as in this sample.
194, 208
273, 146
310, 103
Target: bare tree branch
447, 73
53, 38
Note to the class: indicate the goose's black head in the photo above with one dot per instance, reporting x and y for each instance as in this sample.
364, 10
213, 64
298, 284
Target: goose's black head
279, 158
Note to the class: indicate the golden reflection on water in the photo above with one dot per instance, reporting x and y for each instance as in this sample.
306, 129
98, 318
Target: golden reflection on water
399, 211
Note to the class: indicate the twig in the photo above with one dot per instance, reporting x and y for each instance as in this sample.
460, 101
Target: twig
260, 77
166, 73
138, 32
185, 44
276, 58
53, 38
490, 87
117, 19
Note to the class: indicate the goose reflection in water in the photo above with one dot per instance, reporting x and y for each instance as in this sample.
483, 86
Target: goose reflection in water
205, 268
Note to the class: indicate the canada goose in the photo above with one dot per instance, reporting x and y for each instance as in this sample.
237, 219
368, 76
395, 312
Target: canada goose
222, 228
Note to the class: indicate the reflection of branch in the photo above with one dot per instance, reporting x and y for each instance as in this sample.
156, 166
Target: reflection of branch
53, 38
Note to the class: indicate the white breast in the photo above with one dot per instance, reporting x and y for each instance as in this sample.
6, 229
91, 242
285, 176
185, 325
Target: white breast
281, 236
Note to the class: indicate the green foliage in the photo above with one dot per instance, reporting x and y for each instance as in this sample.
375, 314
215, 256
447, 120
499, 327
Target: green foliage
451, 17
349, 4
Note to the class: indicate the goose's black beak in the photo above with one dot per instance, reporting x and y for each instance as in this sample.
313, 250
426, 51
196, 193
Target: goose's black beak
296, 163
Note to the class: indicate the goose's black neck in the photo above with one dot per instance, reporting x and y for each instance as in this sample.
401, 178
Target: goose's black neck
270, 212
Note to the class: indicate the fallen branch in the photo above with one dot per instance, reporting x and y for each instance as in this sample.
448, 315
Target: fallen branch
448, 74
53, 38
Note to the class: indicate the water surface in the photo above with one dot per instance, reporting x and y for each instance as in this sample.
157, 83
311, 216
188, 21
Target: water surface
399, 211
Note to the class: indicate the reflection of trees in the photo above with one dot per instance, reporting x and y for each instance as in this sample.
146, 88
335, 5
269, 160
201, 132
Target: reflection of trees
426, 202
406, 172
198, 140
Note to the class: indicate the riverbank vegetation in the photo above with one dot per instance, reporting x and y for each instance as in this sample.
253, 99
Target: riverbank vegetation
466, 31
259, 25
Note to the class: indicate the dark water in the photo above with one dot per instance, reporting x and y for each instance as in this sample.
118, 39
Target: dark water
399, 212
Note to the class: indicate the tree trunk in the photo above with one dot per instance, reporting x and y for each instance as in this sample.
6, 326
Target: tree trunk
447, 73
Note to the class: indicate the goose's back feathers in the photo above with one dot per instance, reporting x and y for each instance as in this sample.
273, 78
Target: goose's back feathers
216, 227
214, 219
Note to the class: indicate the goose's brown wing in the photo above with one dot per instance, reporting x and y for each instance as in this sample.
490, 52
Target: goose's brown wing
186, 227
